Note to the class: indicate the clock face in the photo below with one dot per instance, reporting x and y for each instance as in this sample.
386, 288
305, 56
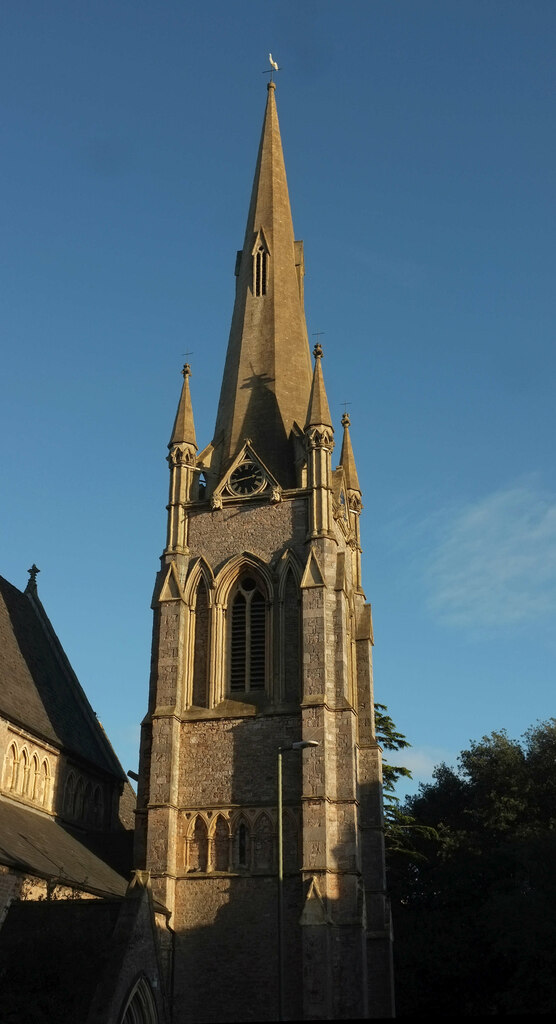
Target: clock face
247, 478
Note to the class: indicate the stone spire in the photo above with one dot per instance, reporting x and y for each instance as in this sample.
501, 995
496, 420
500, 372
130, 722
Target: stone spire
184, 427
267, 376
347, 461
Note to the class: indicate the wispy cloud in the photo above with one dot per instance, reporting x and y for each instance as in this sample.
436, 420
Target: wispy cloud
421, 762
495, 561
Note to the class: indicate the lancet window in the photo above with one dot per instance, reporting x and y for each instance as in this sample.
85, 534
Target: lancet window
221, 845
291, 639
242, 857
248, 630
12, 767
198, 847
261, 270
201, 646
26, 776
141, 1007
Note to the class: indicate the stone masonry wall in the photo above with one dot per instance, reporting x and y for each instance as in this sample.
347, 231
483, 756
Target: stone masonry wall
266, 530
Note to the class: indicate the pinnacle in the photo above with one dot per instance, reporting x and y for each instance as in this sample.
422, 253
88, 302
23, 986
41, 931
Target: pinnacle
347, 459
184, 427
318, 413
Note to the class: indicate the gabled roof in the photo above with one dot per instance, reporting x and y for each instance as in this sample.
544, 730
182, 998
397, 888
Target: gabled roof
33, 842
39, 690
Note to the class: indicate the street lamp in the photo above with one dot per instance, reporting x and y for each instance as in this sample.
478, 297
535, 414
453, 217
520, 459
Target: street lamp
300, 745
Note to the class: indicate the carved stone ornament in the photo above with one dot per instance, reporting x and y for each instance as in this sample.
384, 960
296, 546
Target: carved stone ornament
181, 456
355, 503
321, 439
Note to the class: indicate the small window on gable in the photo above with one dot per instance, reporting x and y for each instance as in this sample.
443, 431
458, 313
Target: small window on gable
261, 270
248, 638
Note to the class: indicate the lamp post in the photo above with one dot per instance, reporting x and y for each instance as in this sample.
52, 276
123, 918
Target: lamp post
300, 745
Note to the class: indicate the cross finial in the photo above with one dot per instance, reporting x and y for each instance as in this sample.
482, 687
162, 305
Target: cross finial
32, 584
317, 351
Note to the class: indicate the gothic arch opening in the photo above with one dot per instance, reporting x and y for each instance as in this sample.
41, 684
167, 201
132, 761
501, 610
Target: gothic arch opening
264, 843
291, 638
221, 845
140, 1007
201, 646
242, 844
12, 766
24, 772
198, 846
69, 795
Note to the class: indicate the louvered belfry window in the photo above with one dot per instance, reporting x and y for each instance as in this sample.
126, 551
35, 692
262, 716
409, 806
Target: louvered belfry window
248, 638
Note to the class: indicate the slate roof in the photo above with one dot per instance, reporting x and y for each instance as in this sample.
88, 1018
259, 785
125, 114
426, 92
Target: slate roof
38, 689
33, 842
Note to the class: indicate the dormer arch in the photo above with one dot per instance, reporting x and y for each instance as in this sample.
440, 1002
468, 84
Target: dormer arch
289, 563
261, 264
200, 570
243, 565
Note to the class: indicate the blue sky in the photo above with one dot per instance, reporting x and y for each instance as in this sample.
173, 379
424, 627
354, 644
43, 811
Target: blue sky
419, 145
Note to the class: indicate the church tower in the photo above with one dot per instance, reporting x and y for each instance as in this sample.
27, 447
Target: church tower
262, 643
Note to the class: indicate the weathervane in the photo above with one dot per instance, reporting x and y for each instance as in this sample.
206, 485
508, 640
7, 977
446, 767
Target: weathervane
273, 67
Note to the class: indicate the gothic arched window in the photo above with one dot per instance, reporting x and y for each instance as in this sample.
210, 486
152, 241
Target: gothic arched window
200, 647
79, 799
26, 769
44, 781
69, 795
97, 807
291, 639
12, 767
140, 1007
248, 638
241, 845
198, 847
264, 844
221, 850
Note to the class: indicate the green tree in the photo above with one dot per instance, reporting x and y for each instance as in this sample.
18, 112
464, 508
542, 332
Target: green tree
400, 827
475, 914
